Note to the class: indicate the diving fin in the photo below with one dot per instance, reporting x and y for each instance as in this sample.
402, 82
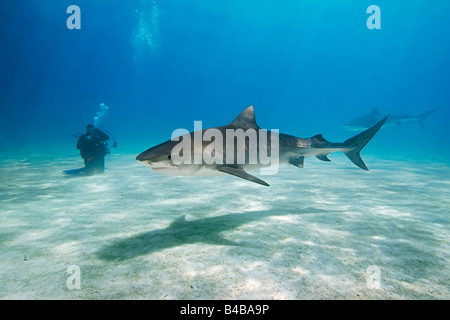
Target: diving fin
74, 171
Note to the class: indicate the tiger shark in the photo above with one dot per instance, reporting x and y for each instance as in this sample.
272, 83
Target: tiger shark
285, 149
368, 120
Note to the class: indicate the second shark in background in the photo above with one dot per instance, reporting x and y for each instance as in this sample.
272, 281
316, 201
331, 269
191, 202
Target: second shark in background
374, 116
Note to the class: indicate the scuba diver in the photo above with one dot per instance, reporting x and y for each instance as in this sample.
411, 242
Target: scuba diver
93, 149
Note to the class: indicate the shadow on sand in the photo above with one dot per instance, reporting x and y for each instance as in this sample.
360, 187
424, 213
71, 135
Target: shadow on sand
182, 231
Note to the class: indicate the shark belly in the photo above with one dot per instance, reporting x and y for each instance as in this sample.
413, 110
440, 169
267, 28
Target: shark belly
207, 172
188, 171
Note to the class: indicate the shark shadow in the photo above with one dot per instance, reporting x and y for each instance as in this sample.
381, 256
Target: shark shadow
182, 231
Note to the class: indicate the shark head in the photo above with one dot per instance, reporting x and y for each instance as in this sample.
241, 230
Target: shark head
159, 157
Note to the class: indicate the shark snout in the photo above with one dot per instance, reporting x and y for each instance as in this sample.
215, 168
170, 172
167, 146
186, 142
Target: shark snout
154, 159
142, 157
149, 156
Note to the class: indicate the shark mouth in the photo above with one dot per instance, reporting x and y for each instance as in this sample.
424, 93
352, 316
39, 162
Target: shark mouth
160, 166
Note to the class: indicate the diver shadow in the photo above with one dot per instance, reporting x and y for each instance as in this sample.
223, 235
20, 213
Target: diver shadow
182, 231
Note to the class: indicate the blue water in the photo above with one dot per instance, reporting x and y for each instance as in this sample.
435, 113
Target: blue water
307, 67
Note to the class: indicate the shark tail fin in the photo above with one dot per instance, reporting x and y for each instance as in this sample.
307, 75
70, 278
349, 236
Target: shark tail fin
358, 142
425, 115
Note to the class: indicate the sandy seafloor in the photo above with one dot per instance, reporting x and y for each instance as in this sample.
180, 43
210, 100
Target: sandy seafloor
315, 233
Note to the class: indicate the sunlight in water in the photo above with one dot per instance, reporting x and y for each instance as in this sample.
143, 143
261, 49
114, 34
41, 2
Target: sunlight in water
145, 36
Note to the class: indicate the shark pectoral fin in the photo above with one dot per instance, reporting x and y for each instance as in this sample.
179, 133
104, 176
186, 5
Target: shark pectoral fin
323, 157
298, 162
238, 172
218, 240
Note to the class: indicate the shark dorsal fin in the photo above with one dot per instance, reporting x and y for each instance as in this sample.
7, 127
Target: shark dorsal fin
374, 112
320, 138
179, 221
246, 119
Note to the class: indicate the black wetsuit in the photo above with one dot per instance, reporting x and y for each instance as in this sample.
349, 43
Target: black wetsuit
93, 150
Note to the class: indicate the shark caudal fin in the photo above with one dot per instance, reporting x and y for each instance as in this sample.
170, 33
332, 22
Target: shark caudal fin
358, 142
423, 116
